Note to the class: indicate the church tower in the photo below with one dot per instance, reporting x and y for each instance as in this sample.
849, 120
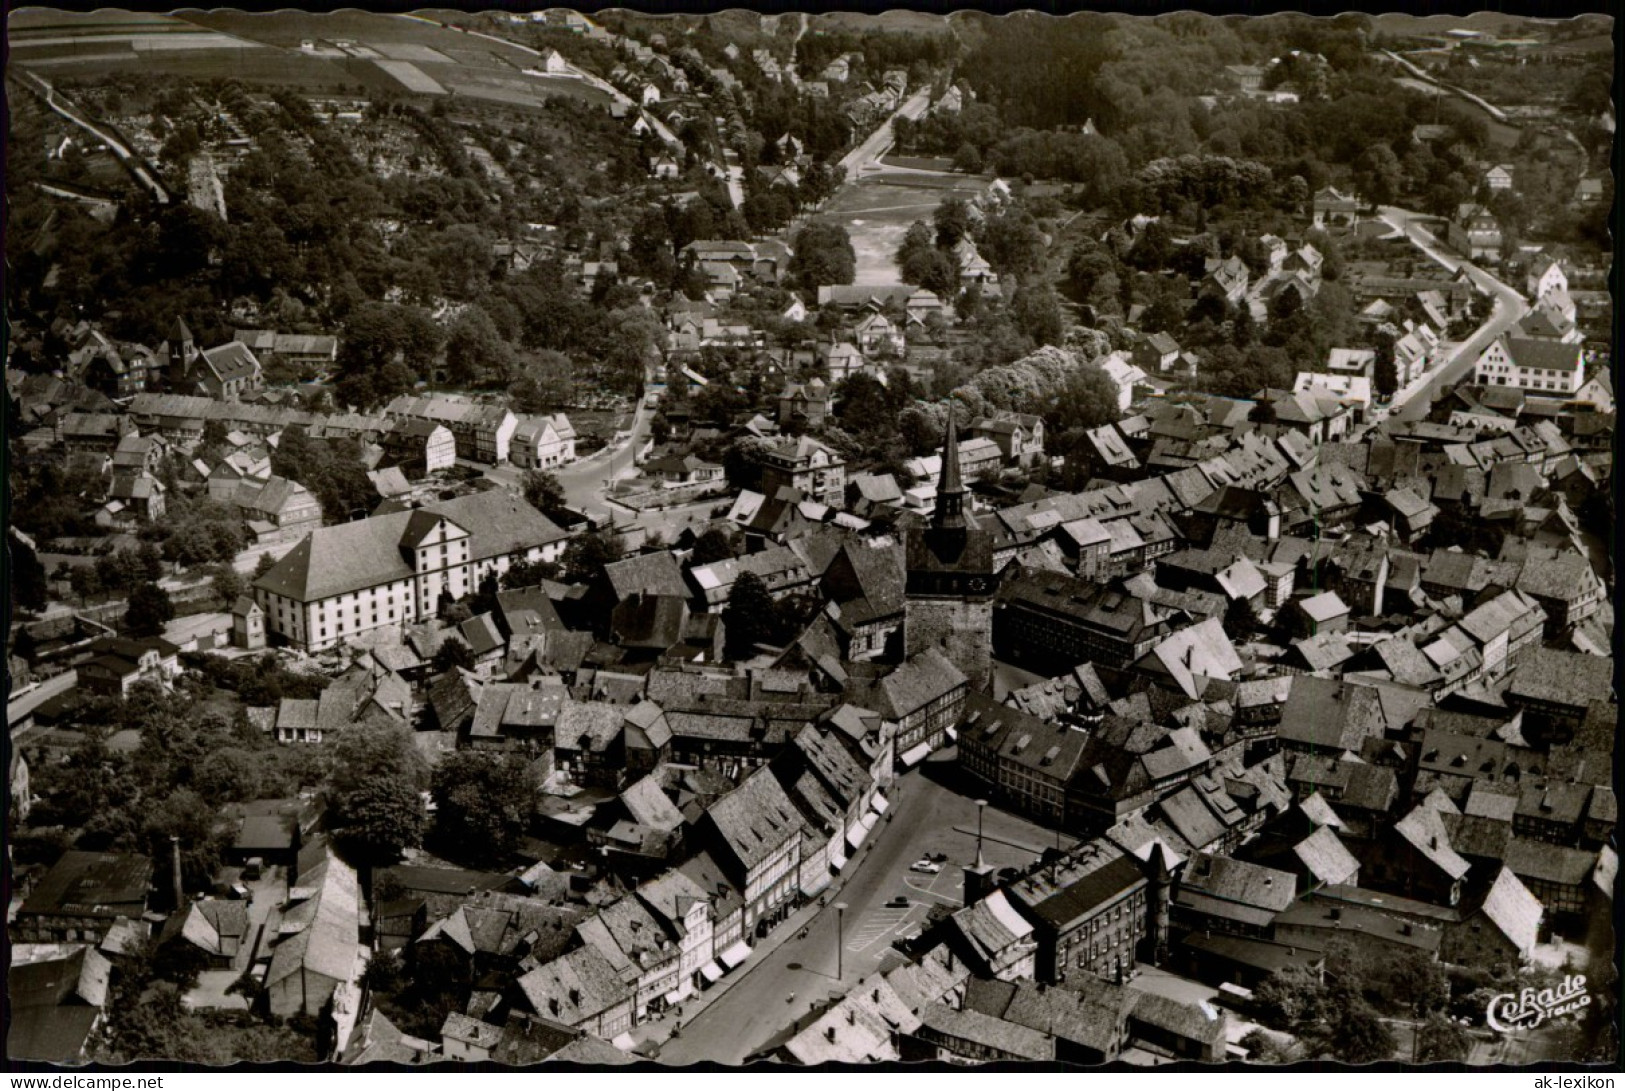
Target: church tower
183, 356
951, 581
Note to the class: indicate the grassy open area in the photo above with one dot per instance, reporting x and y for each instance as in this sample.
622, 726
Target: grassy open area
917, 162
878, 210
1591, 44
289, 28
509, 86
319, 75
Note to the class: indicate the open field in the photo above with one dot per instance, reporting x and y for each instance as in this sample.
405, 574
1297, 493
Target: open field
51, 38
506, 85
1592, 43
877, 213
265, 67
380, 32
412, 77
385, 55
917, 162
1489, 22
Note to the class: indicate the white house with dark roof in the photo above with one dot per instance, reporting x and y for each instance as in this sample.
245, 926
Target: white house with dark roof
391, 570
1538, 365
417, 442
227, 372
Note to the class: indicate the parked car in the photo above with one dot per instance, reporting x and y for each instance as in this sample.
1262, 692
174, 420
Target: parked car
898, 902
926, 866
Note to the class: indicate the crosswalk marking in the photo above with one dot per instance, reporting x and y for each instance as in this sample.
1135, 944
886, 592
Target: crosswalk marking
876, 925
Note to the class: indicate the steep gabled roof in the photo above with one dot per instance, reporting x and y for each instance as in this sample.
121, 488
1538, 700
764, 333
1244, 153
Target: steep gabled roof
1423, 829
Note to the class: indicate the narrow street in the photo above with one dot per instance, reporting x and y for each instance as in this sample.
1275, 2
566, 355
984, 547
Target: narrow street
789, 976
1508, 308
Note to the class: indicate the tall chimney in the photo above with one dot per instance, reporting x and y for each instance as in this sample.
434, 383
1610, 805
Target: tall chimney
175, 871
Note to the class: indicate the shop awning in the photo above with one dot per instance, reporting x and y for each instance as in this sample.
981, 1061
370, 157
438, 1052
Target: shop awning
681, 993
736, 954
856, 834
711, 972
624, 1042
914, 755
878, 804
811, 889
953, 736
837, 862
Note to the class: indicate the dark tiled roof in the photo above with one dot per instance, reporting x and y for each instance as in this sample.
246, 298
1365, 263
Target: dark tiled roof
1549, 355
350, 556
1329, 713
1080, 886
654, 573
92, 884
756, 819
1563, 678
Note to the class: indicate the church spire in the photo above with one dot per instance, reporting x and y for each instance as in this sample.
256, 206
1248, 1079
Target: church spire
950, 511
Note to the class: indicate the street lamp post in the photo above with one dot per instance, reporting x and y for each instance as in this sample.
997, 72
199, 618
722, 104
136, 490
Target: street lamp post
840, 940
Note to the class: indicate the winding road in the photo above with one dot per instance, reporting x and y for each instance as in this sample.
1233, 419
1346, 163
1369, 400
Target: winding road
1507, 310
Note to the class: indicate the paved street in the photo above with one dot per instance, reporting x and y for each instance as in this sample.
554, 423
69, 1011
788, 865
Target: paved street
864, 156
756, 1006
583, 480
1509, 307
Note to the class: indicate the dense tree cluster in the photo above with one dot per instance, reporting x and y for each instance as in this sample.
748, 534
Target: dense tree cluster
753, 618
147, 1021
823, 256
483, 804
197, 530
189, 759
921, 261
330, 468
375, 806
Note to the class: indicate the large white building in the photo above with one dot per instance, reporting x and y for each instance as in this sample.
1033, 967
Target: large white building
1539, 366
391, 570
